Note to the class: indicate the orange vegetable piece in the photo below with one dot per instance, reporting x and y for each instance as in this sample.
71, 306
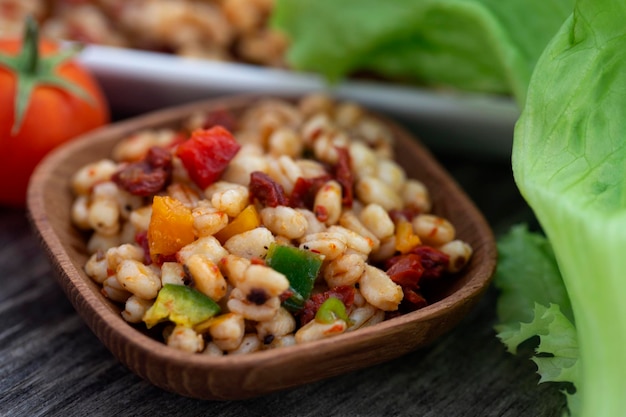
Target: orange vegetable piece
248, 219
405, 238
171, 227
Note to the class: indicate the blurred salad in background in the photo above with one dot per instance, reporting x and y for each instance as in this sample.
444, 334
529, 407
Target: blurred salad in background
488, 46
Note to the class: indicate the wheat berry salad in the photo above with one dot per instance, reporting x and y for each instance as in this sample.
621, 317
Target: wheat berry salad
286, 224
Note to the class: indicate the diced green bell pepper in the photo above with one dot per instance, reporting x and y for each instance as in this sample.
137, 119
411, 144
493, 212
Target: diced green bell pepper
301, 268
331, 310
182, 305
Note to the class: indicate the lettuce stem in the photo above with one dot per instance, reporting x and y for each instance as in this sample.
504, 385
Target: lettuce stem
589, 254
569, 158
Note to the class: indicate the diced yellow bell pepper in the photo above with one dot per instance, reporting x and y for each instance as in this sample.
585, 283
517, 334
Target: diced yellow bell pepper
248, 219
405, 238
171, 227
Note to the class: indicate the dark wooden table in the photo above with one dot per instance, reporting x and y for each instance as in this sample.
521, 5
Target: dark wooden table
52, 365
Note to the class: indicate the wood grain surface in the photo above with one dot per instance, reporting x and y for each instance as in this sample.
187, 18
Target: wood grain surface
52, 365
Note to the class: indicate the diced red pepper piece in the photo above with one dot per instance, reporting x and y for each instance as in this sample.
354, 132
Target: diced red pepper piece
207, 153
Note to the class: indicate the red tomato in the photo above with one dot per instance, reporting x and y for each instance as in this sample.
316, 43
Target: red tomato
52, 116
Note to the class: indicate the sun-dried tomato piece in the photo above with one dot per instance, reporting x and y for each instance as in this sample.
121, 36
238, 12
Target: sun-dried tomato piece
220, 117
406, 270
431, 262
141, 238
158, 157
266, 190
413, 300
304, 190
345, 293
344, 176
405, 214
410, 269
434, 261
148, 176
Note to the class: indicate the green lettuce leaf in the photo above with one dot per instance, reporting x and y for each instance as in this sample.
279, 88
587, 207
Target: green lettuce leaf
527, 274
533, 302
557, 338
474, 45
556, 355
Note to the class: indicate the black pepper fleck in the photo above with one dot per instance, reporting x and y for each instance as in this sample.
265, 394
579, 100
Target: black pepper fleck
257, 296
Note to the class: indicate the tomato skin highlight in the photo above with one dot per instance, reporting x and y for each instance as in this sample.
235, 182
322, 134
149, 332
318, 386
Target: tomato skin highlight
52, 117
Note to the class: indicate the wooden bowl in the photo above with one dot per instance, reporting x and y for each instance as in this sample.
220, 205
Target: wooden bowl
243, 376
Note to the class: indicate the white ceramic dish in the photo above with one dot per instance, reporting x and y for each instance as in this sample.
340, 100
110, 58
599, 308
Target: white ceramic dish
138, 81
